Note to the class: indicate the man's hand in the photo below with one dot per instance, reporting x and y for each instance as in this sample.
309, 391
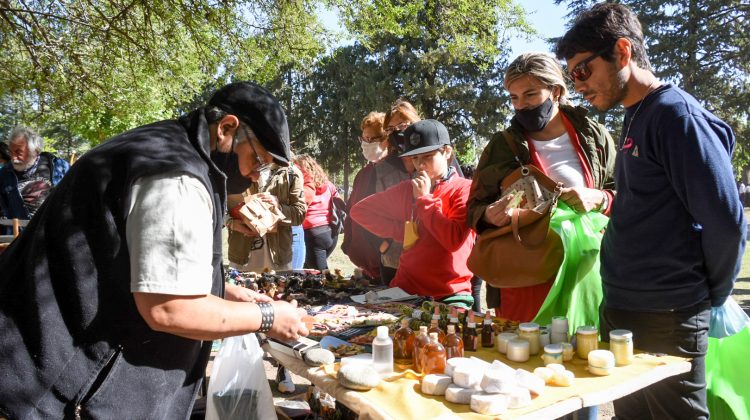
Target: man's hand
288, 322
582, 200
498, 213
421, 184
242, 294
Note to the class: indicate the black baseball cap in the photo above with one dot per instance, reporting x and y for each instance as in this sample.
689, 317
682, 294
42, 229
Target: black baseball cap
261, 111
425, 136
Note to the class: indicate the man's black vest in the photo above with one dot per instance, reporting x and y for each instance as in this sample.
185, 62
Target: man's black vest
71, 339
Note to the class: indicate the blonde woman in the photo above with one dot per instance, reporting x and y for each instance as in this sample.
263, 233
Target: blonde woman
320, 239
557, 138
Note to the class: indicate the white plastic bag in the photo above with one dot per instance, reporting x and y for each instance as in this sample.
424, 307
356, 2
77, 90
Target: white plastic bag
727, 319
238, 388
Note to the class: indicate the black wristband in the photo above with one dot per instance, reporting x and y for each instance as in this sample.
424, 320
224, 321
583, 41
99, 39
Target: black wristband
267, 315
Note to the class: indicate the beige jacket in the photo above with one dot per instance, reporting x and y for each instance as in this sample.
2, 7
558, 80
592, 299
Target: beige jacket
286, 184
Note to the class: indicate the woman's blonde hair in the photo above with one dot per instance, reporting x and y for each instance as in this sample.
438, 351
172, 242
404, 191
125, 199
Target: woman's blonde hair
403, 108
540, 66
309, 166
374, 120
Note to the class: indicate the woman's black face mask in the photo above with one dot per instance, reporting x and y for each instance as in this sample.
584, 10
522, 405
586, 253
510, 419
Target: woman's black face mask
535, 119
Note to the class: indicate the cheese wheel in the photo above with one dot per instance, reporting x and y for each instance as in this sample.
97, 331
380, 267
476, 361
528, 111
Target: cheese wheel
563, 378
507, 370
519, 397
530, 381
467, 376
451, 364
435, 384
489, 404
496, 381
459, 395
601, 359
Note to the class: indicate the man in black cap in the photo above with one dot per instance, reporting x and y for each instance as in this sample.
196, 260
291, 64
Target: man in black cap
111, 297
427, 214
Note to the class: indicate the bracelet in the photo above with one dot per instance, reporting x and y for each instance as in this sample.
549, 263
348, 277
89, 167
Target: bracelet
605, 203
267, 315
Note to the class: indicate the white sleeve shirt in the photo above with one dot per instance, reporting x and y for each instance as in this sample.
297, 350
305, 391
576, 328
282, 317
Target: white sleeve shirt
169, 231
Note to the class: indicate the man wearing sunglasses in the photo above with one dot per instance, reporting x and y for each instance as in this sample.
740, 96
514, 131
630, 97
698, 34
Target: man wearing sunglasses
674, 243
110, 299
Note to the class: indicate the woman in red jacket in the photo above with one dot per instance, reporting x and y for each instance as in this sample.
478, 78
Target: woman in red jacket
320, 239
433, 204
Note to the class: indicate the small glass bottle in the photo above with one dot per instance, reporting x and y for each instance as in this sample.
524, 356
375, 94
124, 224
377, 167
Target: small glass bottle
453, 320
420, 341
434, 356
587, 340
529, 331
553, 353
471, 340
403, 344
382, 352
621, 344
488, 333
454, 345
435, 328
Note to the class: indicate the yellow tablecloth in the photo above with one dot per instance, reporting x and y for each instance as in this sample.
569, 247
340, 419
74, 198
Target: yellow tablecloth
402, 399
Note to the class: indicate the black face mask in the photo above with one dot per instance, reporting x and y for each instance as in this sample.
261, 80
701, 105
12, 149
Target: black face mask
229, 164
535, 119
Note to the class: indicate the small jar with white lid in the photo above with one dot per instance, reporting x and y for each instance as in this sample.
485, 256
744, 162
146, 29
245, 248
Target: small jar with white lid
621, 344
553, 353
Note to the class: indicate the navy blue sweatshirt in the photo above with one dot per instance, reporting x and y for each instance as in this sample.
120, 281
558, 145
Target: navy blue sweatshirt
676, 234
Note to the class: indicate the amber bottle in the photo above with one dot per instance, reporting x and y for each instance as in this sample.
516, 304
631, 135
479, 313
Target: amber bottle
403, 344
433, 360
488, 333
454, 345
453, 320
435, 328
420, 342
471, 340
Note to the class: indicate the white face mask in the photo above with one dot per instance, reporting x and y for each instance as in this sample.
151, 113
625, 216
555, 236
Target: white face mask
373, 152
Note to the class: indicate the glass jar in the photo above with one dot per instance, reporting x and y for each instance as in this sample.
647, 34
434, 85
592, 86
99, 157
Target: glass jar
587, 339
553, 353
621, 344
529, 331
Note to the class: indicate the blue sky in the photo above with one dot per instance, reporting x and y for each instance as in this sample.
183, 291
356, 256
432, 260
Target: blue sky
546, 17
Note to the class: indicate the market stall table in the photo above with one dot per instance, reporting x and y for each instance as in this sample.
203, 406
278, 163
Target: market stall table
402, 399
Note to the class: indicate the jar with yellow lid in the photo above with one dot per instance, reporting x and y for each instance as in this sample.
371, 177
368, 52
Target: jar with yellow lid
587, 340
621, 344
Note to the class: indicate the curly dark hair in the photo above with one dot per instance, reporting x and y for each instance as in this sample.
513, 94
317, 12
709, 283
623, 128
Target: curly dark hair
601, 26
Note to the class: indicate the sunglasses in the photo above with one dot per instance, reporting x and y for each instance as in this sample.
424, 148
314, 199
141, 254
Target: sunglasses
400, 127
581, 71
376, 139
262, 166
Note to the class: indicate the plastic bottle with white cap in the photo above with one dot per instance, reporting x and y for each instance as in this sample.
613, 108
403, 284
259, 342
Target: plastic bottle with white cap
382, 352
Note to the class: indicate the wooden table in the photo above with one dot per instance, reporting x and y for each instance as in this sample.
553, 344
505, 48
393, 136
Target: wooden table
395, 400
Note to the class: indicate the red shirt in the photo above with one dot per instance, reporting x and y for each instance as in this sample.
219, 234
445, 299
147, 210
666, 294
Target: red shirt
436, 264
318, 206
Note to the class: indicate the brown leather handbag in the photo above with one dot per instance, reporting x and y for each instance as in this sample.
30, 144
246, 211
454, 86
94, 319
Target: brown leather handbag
526, 252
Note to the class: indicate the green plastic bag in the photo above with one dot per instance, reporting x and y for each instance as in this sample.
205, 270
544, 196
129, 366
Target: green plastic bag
577, 290
727, 373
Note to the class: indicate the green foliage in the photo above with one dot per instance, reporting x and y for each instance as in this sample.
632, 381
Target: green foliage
102, 67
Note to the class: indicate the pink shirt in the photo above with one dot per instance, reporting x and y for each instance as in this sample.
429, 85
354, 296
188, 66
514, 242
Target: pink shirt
318, 213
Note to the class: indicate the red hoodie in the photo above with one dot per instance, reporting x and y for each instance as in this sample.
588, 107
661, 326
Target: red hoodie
436, 265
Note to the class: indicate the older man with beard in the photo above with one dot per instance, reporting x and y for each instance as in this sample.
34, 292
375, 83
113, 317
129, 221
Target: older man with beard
27, 181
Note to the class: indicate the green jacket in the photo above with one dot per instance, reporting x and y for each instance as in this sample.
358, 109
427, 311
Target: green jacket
287, 185
497, 160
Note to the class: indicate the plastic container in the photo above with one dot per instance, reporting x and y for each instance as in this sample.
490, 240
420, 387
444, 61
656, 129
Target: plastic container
382, 352
502, 340
518, 350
